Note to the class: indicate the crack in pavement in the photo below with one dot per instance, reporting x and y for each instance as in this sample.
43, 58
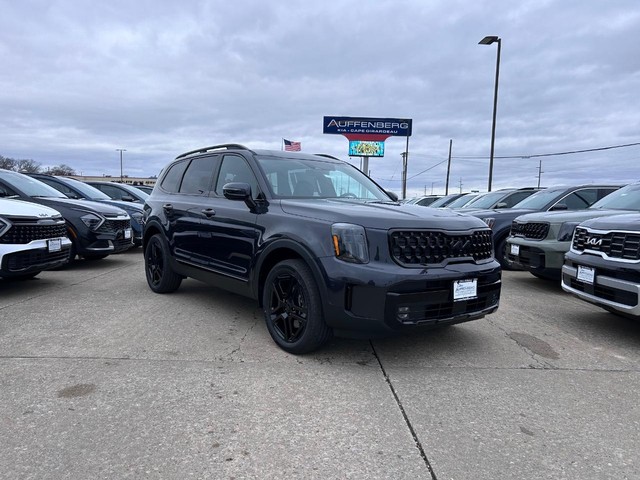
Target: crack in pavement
404, 414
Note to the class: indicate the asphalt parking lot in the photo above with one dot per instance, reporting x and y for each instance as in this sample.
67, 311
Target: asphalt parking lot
101, 378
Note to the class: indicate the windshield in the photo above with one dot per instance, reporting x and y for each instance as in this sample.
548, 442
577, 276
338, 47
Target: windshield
30, 186
540, 199
486, 201
626, 198
87, 190
459, 202
311, 178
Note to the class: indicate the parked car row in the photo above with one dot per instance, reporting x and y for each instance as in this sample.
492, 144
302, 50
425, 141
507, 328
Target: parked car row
47, 228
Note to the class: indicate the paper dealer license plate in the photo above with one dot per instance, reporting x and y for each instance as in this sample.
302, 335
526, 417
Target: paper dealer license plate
54, 245
127, 233
465, 289
515, 249
586, 274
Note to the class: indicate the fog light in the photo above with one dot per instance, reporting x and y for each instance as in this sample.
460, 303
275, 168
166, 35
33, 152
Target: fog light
403, 313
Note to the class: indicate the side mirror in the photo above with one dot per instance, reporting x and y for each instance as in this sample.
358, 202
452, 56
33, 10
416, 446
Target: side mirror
393, 196
501, 205
560, 206
128, 198
239, 191
72, 196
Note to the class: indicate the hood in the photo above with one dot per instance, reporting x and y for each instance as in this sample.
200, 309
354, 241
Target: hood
84, 205
19, 208
568, 216
504, 212
126, 206
626, 222
380, 215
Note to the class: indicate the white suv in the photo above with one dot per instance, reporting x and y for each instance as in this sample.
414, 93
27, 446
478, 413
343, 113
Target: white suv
32, 238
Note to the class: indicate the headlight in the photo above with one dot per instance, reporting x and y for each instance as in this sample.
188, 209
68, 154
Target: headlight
489, 221
566, 231
92, 221
350, 242
137, 216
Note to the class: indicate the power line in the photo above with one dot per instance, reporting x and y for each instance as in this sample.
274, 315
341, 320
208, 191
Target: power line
599, 149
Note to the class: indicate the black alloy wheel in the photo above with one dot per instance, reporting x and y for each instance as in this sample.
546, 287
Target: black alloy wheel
160, 277
292, 308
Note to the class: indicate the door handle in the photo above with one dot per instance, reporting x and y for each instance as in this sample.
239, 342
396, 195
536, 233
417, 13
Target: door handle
167, 207
208, 212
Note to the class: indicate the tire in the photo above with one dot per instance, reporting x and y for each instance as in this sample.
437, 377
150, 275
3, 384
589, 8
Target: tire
160, 277
501, 248
293, 308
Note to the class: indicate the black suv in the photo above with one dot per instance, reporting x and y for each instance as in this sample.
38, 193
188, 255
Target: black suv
76, 189
95, 229
318, 244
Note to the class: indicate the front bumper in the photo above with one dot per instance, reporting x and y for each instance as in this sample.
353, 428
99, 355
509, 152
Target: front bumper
372, 299
32, 257
616, 285
544, 257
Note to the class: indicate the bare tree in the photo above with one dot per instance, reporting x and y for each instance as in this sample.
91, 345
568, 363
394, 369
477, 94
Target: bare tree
7, 163
28, 166
62, 169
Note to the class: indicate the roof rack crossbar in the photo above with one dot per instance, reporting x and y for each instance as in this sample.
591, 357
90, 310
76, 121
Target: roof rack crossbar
225, 146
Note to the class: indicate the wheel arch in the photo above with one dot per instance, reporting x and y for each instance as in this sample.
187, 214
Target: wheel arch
285, 250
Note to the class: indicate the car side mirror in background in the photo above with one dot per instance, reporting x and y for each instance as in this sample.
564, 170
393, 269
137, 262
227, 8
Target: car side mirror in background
501, 205
128, 198
393, 196
239, 191
560, 206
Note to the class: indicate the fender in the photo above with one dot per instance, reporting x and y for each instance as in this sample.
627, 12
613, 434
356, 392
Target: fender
301, 250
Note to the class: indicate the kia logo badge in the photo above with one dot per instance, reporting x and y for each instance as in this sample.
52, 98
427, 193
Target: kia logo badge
594, 242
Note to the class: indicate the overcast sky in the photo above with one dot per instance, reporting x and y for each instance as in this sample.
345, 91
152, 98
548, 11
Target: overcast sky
80, 79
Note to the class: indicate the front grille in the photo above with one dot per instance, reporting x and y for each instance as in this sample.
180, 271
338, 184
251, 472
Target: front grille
28, 232
424, 247
614, 244
112, 226
532, 230
605, 293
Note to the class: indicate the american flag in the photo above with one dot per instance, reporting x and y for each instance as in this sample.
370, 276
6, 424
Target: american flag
290, 146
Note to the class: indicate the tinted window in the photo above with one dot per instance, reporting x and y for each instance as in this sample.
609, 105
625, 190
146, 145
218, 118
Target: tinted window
580, 199
197, 178
113, 192
235, 169
171, 181
514, 198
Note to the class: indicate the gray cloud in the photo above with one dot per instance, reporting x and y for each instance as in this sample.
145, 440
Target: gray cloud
158, 78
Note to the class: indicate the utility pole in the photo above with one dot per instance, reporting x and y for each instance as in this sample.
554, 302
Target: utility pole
446, 190
121, 150
404, 174
540, 172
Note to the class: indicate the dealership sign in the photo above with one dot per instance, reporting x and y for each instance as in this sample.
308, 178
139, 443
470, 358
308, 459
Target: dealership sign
365, 128
366, 149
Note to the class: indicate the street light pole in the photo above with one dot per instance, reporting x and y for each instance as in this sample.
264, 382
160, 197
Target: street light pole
488, 41
121, 150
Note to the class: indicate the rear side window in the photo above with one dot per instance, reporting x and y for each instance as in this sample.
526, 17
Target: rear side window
515, 198
197, 178
581, 199
171, 180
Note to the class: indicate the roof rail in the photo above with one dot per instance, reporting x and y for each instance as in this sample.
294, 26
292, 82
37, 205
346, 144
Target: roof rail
225, 146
